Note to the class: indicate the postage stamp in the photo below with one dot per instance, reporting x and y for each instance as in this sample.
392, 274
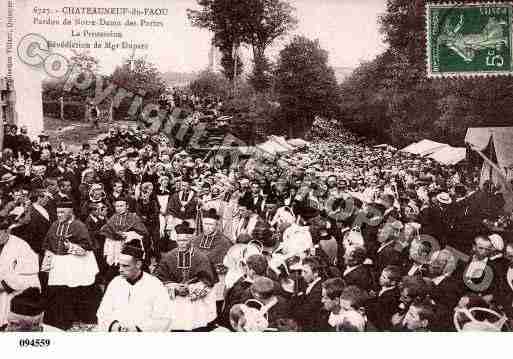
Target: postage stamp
469, 39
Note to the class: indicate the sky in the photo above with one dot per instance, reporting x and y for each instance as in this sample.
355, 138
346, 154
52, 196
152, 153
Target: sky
347, 29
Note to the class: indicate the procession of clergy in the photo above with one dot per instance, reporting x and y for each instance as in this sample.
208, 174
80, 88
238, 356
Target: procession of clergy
136, 235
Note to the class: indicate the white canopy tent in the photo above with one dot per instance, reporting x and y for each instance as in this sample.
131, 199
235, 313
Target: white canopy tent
424, 147
449, 155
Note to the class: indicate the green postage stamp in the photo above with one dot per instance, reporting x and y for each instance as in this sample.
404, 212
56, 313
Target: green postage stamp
469, 39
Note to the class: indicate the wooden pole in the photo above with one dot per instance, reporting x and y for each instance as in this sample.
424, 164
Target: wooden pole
234, 55
62, 107
500, 173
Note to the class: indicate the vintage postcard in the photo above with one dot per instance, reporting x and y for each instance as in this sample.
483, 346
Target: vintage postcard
254, 166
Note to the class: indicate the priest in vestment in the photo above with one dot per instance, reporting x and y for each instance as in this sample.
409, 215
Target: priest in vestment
72, 268
214, 244
183, 204
189, 276
19, 268
122, 226
135, 301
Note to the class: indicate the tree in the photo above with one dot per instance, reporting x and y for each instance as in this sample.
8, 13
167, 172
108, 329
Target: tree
268, 21
141, 78
85, 61
305, 85
228, 62
392, 98
256, 23
210, 84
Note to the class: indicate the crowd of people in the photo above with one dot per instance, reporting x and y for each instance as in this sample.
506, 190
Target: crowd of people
135, 234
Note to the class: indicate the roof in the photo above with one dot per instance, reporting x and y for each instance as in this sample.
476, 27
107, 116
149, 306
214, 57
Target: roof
298, 142
424, 147
449, 155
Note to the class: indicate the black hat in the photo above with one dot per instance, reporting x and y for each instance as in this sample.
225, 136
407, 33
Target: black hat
211, 213
245, 201
65, 204
133, 248
184, 228
378, 206
29, 302
460, 190
271, 199
120, 199
6, 222
244, 238
308, 212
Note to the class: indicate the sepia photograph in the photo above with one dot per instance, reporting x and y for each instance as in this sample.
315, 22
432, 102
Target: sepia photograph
229, 166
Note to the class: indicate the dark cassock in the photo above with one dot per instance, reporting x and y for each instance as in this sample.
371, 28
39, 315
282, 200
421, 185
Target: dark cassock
214, 244
95, 222
183, 204
33, 226
189, 277
147, 208
122, 226
72, 268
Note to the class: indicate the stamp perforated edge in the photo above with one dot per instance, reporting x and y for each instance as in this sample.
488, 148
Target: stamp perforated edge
470, 74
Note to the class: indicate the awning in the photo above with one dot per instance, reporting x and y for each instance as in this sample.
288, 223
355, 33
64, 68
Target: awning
424, 147
449, 155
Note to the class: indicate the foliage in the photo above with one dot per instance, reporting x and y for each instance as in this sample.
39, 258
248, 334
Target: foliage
256, 23
228, 64
209, 84
73, 111
305, 85
392, 99
140, 77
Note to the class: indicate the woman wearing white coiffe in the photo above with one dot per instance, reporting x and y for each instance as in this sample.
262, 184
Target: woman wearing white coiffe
19, 268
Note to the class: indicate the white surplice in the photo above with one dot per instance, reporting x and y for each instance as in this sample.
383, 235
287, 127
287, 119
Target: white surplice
145, 305
19, 268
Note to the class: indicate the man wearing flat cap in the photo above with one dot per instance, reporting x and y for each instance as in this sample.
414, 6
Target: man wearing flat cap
135, 301
72, 268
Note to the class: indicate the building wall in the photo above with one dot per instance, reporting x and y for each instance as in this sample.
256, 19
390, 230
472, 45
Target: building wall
28, 101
